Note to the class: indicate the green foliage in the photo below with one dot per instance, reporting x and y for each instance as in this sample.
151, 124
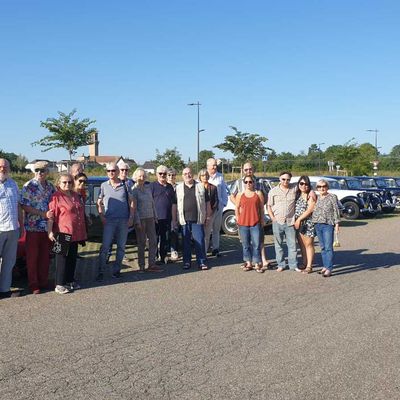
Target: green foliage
66, 133
17, 161
244, 146
204, 155
170, 158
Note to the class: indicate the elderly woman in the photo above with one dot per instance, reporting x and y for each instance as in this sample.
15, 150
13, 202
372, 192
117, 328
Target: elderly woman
80, 180
249, 213
67, 216
145, 221
326, 217
212, 192
305, 203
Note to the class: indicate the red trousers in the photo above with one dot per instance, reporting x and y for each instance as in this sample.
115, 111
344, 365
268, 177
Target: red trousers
37, 259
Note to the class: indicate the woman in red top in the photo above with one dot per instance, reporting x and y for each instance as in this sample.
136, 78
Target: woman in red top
69, 218
249, 215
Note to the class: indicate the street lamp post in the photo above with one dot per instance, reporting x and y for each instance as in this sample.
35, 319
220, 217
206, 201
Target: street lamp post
376, 139
319, 157
198, 130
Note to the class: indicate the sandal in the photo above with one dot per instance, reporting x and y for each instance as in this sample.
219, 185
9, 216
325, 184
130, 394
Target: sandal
247, 267
259, 269
307, 270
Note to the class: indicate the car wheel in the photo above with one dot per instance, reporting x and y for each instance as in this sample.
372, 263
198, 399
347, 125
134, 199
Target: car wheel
229, 225
351, 210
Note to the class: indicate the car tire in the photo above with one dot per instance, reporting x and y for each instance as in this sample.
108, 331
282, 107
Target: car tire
229, 225
351, 210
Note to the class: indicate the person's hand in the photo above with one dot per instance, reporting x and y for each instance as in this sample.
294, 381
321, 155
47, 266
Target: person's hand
51, 236
174, 226
103, 218
21, 231
49, 214
130, 221
297, 224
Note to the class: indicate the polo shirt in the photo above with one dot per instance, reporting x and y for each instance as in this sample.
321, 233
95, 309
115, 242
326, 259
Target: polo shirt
114, 200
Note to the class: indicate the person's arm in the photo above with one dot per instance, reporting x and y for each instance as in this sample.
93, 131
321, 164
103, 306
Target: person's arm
306, 213
101, 210
224, 194
34, 211
50, 220
261, 209
174, 221
20, 220
237, 206
132, 210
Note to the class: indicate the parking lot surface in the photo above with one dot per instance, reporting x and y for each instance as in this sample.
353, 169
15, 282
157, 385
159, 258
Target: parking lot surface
217, 334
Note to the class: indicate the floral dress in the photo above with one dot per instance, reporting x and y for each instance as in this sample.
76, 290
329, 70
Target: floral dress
307, 227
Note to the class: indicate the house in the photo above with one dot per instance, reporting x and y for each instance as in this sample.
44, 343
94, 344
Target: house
53, 167
149, 167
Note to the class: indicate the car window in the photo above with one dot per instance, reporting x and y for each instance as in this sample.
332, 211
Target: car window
368, 183
96, 191
354, 184
380, 183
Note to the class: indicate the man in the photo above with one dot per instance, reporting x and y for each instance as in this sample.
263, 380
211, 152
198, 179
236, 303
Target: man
217, 180
35, 199
76, 168
238, 187
281, 208
116, 209
193, 210
11, 225
165, 203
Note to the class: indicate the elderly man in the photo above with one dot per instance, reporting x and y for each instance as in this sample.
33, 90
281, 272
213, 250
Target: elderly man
35, 199
76, 168
165, 203
116, 209
281, 209
10, 220
193, 209
217, 180
238, 187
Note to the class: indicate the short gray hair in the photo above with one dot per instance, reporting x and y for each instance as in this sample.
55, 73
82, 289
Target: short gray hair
161, 168
136, 173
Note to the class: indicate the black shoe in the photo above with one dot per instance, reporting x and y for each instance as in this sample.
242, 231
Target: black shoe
116, 275
216, 253
100, 277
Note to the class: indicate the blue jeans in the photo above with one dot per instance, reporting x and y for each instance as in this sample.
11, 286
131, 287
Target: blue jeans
197, 231
325, 238
114, 228
281, 231
250, 237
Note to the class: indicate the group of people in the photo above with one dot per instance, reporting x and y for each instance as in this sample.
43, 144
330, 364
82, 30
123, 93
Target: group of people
53, 217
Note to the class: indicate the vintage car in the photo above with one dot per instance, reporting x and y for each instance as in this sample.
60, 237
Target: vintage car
353, 203
376, 182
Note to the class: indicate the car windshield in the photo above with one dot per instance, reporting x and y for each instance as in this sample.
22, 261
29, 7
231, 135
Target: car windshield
368, 183
390, 182
354, 184
334, 185
380, 183
397, 181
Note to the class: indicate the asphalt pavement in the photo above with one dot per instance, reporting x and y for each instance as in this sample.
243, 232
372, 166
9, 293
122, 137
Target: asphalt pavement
217, 334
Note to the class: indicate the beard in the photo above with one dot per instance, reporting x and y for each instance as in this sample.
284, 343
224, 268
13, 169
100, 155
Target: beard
3, 176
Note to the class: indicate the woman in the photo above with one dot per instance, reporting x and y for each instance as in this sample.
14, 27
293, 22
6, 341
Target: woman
212, 192
80, 185
66, 215
326, 217
249, 212
305, 203
146, 218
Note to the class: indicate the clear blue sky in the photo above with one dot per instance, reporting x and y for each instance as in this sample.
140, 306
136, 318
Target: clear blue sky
297, 72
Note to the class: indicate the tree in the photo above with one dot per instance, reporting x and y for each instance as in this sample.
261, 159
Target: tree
204, 155
67, 133
170, 158
244, 146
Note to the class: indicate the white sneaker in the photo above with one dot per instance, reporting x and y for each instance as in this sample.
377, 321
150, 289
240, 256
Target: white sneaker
174, 255
61, 289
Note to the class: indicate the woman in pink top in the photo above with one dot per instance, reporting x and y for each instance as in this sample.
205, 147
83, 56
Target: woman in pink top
68, 218
249, 215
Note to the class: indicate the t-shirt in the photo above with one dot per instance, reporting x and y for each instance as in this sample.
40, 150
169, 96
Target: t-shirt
114, 200
164, 197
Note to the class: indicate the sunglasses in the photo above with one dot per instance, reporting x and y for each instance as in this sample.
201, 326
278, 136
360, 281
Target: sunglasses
248, 182
82, 180
66, 182
41, 170
162, 173
111, 170
321, 186
123, 169
303, 184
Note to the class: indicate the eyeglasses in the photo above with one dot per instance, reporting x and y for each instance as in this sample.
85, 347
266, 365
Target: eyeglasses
162, 173
303, 184
171, 174
248, 182
187, 174
322, 186
111, 170
66, 182
41, 170
82, 180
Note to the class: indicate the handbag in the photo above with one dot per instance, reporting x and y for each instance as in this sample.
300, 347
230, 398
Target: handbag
336, 242
61, 244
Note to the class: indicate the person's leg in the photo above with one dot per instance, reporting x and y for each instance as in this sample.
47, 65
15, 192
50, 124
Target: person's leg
199, 244
187, 243
152, 237
255, 244
245, 237
327, 233
60, 275
8, 256
263, 248
44, 245
32, 248
108, 236
216, 229
208, 228
308, 243
290, 233
141, 244
278, 232
121, 234
70, 262
319, 228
